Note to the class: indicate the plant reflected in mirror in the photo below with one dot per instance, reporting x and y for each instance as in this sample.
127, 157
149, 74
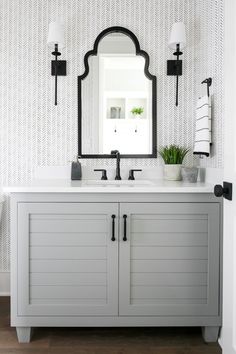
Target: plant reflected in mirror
137, 111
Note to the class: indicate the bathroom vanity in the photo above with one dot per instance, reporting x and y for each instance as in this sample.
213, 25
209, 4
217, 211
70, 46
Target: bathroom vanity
97, 253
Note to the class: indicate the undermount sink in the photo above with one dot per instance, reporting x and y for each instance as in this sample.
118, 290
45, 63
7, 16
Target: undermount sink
117, 183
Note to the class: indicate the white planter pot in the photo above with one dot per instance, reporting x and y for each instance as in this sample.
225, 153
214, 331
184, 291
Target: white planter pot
172, 172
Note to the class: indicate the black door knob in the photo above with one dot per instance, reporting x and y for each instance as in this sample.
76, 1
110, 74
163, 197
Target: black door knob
218, 190
226, 190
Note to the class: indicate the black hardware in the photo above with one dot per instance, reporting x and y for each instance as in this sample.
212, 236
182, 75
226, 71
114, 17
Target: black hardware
209, 83
140, 52
174, 68
117, 154
131, 174
104, 173
61, 67
125, 227
113, 228
226, 191
56, 68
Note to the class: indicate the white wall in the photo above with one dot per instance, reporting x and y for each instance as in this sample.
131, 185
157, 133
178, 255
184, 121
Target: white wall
35, 132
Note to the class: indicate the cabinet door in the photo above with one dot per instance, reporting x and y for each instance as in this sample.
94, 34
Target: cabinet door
169, 264
67, 262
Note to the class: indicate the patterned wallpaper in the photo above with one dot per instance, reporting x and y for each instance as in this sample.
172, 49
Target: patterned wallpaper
209, 63
35, 132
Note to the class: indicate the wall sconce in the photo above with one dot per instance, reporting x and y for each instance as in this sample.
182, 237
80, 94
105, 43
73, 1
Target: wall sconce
177, 41
56, 41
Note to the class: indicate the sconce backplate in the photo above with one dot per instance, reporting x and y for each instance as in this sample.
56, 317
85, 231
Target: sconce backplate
61, 68
174, 67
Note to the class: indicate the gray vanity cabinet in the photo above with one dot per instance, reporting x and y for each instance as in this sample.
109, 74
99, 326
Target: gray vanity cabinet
76, 262
169, 265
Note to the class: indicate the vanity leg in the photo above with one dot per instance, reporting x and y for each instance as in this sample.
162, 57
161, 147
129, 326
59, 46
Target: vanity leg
23, 334
210, 334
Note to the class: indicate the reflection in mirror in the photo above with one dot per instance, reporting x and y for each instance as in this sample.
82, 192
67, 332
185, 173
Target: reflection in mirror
116, 99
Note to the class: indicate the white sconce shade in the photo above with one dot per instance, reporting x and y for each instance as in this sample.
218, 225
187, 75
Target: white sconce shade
56, 35
177, 35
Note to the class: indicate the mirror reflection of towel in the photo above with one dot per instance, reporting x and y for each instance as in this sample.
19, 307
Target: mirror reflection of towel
203, 127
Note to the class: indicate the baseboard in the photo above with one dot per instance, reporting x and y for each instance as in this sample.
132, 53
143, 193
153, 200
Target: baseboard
4, 283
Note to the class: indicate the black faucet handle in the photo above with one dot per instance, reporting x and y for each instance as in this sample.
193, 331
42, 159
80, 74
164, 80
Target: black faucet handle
104, 173
115, 152
131, 174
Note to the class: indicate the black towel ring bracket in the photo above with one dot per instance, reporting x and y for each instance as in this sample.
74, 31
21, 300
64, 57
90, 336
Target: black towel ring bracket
208, 81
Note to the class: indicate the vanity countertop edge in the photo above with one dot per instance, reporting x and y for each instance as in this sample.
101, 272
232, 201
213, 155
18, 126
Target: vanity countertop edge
68, 186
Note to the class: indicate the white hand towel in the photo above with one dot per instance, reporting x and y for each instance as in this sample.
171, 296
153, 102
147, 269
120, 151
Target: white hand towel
203, 127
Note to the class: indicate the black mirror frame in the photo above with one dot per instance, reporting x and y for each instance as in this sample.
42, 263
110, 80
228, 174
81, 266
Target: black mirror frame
147, 74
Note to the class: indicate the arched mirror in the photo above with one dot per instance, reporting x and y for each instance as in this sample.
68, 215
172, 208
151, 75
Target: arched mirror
116, 98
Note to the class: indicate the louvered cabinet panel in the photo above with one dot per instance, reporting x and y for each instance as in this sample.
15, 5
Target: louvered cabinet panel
169, 265
67, 262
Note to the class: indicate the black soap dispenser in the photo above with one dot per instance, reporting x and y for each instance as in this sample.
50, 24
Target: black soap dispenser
76, 170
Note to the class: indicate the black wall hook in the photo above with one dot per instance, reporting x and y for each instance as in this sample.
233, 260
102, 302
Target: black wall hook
209, 83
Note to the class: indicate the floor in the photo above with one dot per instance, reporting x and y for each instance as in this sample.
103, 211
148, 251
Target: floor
103, 341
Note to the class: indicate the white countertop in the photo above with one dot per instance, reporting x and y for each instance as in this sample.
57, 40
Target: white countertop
68, 186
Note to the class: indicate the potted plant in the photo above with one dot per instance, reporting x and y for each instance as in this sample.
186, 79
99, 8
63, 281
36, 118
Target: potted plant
137, 111
173, 156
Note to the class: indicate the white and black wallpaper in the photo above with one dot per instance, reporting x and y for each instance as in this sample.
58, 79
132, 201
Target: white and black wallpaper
34, 132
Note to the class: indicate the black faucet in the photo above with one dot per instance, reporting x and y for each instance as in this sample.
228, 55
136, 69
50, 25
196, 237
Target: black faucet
116, 152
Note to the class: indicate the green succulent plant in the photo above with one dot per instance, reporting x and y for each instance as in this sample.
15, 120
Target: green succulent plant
137, 110
173, 154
